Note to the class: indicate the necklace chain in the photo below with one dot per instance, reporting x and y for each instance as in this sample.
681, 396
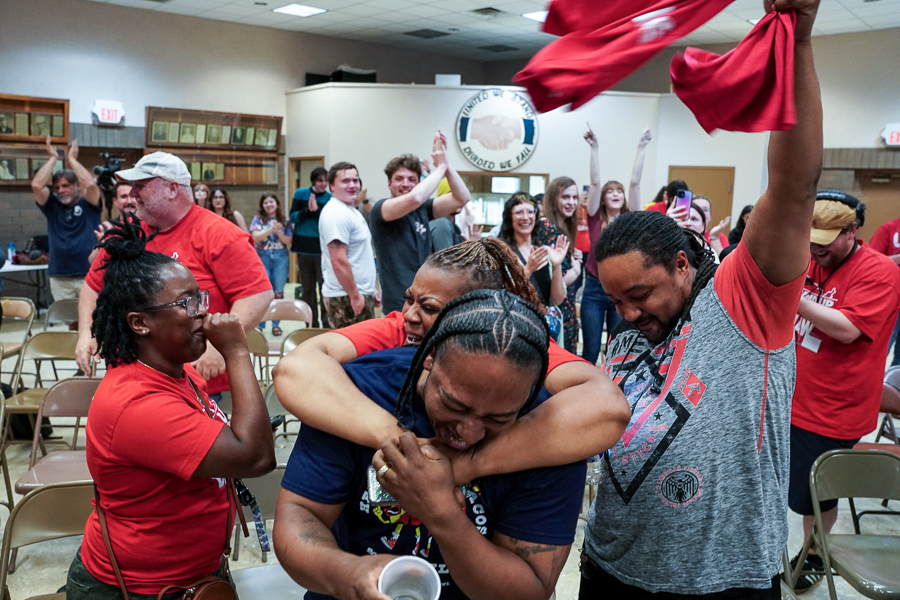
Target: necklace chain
206, 408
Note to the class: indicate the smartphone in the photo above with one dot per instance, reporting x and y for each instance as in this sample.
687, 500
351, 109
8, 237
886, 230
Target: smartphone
683, 199
377, 494
585, 188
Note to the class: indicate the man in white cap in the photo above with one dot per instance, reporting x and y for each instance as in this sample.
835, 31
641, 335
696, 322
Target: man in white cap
216, 251
842, 328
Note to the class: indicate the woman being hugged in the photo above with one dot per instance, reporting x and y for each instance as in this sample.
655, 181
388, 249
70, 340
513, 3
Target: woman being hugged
220, 203
560, 210
273, 234
159, 450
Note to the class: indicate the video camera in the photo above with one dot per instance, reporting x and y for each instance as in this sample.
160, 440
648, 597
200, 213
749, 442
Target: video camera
106, 179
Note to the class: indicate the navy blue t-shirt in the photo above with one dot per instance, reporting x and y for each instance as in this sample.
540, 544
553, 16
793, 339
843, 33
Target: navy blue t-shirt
70, 231
538, 505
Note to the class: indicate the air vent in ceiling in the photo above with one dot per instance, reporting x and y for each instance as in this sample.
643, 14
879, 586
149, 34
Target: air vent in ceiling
487, 11
497, 48
426, 34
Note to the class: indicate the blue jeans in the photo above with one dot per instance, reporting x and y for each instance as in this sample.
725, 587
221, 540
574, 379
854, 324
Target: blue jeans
596, 307
276, 264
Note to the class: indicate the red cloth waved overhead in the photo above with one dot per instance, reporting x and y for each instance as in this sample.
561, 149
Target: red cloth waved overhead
603, 43
750, 88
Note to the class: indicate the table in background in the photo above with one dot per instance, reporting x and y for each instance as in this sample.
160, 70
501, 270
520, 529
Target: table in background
35, 276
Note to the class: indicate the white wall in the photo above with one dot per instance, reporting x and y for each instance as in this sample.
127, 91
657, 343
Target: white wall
370, 124
83, 51
684, 143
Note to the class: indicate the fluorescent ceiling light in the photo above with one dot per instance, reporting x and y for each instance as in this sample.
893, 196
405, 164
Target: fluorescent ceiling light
299, 10
754, 21
539, 16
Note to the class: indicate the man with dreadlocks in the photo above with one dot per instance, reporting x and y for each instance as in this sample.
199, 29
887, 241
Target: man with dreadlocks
479, 367
693, 500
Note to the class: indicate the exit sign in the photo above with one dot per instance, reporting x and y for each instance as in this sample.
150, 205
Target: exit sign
108, 111
891, 134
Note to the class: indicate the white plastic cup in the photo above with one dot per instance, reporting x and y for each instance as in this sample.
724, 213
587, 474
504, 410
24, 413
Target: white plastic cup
409, 578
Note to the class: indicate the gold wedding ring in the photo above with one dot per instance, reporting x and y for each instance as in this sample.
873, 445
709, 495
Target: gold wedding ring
384, 469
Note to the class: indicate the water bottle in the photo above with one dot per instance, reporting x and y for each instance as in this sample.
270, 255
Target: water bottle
10, 252
594, 469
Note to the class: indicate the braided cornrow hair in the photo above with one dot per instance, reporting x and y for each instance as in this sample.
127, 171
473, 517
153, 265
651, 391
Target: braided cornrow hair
489, 264
659, 239
494, 322
130, 282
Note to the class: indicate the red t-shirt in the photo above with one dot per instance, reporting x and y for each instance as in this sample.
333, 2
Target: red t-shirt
389, 332
722, 239
887, 238
146, 435
763, 312
220, 256
839, 385
583, 237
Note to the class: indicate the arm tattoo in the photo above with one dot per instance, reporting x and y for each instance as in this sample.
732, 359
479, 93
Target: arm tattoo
526, 551
312, 531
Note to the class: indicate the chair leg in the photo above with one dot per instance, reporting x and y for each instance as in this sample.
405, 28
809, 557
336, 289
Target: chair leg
13, 554
236, 552
10, 502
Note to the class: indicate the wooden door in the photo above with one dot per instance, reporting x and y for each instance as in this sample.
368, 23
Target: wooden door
716, 183
880, 192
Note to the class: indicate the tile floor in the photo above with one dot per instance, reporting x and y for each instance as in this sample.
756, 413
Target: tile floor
41, 569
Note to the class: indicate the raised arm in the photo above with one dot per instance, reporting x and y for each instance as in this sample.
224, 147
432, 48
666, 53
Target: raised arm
249, 310
244, 447
86, 180
777, 236
395, 208
593, 200
40, 185
459, 195
312, 372
557, 253
634, 190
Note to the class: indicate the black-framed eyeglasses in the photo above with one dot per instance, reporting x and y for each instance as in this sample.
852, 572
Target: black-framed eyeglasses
191, 304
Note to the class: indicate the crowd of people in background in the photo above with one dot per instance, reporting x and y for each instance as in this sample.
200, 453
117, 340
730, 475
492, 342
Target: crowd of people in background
723, 356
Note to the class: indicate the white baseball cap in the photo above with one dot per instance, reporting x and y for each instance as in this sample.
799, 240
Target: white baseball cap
158, 164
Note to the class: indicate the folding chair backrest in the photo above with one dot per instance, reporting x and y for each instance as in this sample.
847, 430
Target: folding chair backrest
47, 345
18, 310
61, 311
288, 310
890, 392
298, 336
50, 512
68, 398
855, 474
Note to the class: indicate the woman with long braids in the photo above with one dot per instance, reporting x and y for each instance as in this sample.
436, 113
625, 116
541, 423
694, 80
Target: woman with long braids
479, 368
584, 416
159, 450
693, 498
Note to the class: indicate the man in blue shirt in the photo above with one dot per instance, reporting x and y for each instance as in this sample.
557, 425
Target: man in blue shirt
305, 210
73, 212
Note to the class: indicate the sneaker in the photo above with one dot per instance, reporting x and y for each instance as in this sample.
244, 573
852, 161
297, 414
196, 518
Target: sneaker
806, 583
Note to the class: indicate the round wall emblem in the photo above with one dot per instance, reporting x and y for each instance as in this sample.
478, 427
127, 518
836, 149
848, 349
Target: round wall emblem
497, 130
680, 486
